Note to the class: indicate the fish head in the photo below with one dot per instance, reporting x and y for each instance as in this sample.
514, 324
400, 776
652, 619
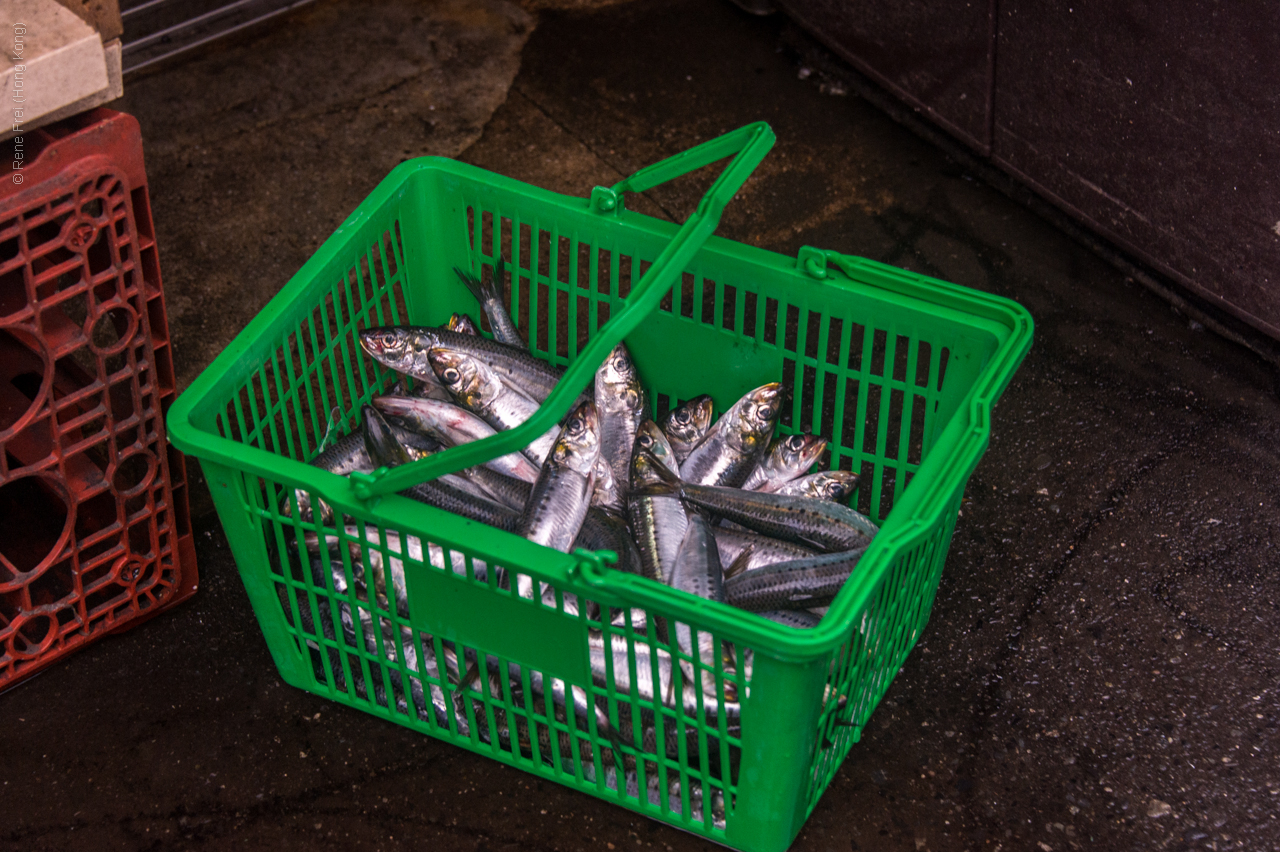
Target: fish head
650, 448
470, 382
836, 485
578, 445
462, 324
798, 452
617, 384
396, 347
380, 441
690, 421
757, 414
649, 437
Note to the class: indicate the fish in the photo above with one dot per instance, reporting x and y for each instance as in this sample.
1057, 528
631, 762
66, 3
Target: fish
561, 495
462, 324
620, 401
478, 388
731, 448
800, 618
697, 570
346, 456
406, 349
611, 665
489, 295
658, 521
454, 425
801, 584
763, 549
687, 424
788, 458
606, 494
603, 530
834, 485
821, 524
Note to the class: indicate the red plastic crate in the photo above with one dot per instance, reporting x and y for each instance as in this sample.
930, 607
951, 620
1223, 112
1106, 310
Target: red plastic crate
95, 530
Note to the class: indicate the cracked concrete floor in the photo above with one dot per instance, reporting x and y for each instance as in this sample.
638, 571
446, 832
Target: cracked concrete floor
1100, 668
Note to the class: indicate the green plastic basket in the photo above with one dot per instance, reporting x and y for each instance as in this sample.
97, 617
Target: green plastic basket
897, 370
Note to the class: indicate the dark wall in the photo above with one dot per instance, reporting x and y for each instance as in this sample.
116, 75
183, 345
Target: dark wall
1157, 125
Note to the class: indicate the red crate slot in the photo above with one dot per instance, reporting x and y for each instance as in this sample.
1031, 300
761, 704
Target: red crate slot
95, 531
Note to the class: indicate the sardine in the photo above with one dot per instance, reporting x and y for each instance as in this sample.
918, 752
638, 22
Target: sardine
788, 458
561, 495
405, 349
698, 571
619, 656
658, 521
686, 425
764, 550
454, 425
606, 493
461, 323
489, 295
620, 401
800, 618
801, 584
829, 527
733, 446
603, 530
834, 485
348, 455
477, 388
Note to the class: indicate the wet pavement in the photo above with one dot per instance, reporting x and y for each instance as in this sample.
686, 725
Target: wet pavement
1100, 668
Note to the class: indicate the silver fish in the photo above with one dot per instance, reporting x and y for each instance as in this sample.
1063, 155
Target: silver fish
686, 425
827, 526
348, 455
478, 388
606, 493
733, 446
764, 550
698, 571
834, 485
602, 530
454, 425
560, 497
612, 666
793, 618
462, 324
801, 584
489, 295
405, 349
658, 521
788, 458
620, 400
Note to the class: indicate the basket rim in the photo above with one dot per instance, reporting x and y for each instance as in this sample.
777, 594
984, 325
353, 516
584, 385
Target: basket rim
915, 515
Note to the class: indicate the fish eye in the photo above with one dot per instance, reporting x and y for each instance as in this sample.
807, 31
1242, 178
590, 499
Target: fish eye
766, 412
389, 339
645, 441
450, 375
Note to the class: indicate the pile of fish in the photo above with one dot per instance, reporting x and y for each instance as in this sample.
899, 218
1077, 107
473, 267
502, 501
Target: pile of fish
719, 508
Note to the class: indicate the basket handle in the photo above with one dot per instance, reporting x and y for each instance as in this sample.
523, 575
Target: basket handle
749, 144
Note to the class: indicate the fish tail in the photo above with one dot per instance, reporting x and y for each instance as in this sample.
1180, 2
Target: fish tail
472, 283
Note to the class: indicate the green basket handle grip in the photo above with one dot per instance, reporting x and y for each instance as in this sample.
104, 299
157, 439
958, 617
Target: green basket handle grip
750, 144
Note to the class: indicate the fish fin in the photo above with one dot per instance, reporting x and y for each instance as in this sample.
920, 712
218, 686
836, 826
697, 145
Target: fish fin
473, 284
739, 563
472, 674
662, 471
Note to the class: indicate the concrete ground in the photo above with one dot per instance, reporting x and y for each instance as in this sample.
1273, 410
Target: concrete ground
1100, 669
